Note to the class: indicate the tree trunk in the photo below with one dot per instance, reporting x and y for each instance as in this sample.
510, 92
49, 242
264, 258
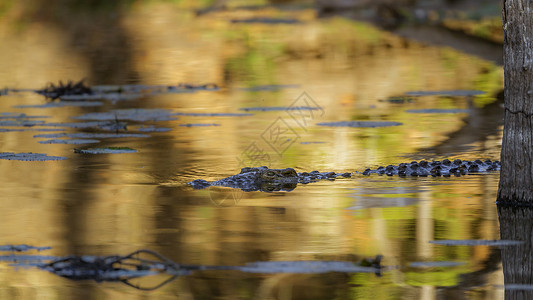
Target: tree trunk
516, 177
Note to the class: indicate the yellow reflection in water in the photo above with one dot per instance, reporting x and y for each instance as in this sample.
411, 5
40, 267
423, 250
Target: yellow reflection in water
116, 204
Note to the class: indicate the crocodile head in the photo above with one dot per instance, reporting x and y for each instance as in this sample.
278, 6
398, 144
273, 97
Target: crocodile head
267, 180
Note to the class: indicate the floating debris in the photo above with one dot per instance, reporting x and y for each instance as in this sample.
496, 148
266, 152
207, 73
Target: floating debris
360, 124
53, 91
213, 114
29, 156
438, 111
198, 125
127, 88
45, 129
78, 94
152, 129
189, 87
477, 242
108, 150
435, 264
10, 130
33, 129
21, 90
117, 268
385, 196
102, 125
69, 141
85, 135
21, 122
398, 99
364, 202
63, 104
269, 87
22, 247
7, 115
132, 114
452, 93
25, 260
114, 97
280, 108
269, 21
143, 263
308, 143
150, 89
113, 268
306, 267
93, 267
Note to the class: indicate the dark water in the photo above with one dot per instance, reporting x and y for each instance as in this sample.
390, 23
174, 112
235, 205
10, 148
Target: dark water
106, 204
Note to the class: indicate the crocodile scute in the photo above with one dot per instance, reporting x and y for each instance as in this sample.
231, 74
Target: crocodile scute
437, 168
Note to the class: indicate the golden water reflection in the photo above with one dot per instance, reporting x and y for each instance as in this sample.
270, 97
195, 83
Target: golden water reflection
114, 204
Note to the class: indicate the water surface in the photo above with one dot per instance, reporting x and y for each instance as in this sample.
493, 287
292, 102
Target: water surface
109, 204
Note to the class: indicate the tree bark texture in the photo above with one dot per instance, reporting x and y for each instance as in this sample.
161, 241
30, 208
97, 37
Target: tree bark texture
516, 177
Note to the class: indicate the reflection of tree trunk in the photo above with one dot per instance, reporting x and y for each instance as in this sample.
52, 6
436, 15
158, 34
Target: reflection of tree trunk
516, 180
517, 224
438, 35
479, 126
94, 29
471, 281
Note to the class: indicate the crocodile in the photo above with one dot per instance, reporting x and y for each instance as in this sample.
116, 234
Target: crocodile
265, 179
436, 168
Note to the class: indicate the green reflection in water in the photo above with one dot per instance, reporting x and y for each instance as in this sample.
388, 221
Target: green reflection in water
108, 204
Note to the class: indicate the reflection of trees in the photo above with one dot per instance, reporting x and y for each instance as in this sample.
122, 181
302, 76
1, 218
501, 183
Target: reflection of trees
516, 224
94, 30
479, 126
291, 286
407, 19
475, 279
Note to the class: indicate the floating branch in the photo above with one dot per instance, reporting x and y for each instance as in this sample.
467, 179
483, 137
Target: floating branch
53, 91
143, 263
108, 150
116, 268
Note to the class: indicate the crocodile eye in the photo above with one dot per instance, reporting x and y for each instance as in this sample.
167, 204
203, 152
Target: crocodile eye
288, 172
271, 173
246, 170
